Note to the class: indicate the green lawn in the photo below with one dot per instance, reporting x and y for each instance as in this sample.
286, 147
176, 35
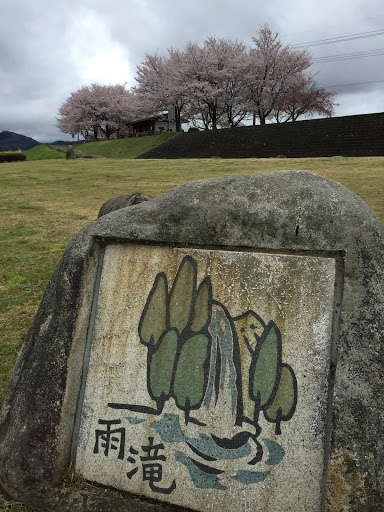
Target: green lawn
124, 148
43, 152
118, 148
44, 203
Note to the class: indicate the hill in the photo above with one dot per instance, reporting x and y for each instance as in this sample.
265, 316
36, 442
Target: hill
117, 148
125, 148
43, 152
10, 141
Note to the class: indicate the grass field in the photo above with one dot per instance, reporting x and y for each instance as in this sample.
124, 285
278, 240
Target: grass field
44, 203
119, 148
43, 152
124, 148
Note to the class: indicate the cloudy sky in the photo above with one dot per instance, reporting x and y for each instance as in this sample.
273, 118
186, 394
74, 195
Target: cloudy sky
49, 48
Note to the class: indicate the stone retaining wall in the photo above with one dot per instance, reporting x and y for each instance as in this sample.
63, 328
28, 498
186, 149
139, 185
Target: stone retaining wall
360, 135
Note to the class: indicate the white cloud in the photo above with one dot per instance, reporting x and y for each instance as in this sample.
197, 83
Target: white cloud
44, 57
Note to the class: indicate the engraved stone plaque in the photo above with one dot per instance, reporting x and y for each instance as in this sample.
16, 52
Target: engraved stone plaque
208, 376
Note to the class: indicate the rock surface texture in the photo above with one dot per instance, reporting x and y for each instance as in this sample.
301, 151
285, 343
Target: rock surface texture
117, 202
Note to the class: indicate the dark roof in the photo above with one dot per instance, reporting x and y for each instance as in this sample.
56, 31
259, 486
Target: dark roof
161, 117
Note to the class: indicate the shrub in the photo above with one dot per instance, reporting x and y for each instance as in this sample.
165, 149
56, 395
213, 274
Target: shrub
12, 157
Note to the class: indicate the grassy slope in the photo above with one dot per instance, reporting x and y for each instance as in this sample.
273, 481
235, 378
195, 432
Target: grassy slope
42, 152
45, 203
120, 148
125, 148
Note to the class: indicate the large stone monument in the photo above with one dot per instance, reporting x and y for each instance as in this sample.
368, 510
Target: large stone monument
70, 154
219, 347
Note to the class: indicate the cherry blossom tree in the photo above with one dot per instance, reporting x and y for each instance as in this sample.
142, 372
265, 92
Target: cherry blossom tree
304, 97
75, 114
218, 83
202, 83
215, 72
162, 84
229, 65
118, 107
98, 108
204, 105
177, 88
150, 78
272, 68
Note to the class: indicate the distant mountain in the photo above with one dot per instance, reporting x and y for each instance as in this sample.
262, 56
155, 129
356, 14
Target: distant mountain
10, 141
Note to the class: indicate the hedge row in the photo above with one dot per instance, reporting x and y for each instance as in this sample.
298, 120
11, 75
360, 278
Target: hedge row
12, 157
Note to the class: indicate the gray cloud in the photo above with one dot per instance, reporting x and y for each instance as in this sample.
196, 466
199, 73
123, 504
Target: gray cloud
47, 51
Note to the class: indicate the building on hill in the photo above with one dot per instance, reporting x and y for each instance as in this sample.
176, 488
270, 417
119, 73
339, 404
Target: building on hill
152, 125
148, 126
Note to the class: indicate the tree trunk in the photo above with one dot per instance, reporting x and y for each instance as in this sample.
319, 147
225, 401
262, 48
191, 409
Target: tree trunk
178, 118
230, 117
214, 118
